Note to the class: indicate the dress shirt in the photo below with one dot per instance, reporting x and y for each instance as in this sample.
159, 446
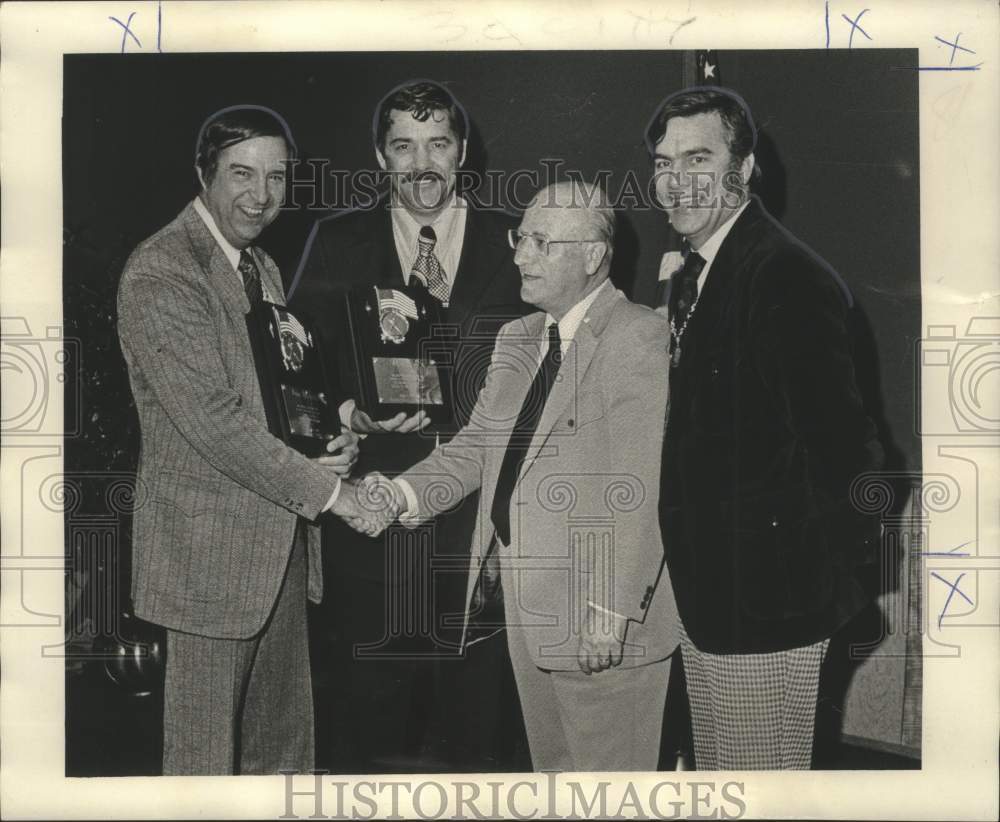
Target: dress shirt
710, 247
449, 228
233, 255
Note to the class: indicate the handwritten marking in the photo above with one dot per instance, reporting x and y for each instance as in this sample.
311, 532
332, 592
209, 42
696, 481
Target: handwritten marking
680, 25
127, 30
947, 68
827, 21
159, 24
954, 551
954, 590
954, 47
855, 27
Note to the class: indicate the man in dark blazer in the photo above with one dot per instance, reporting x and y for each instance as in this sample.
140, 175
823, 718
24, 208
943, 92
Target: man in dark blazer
398, 608
765, 434
223, 556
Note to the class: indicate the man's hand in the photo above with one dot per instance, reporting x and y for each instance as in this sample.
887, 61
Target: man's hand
400, 424
369, 506
602, 641
346, 444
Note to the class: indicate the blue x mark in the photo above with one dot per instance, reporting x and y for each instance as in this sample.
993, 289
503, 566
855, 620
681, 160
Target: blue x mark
954, 47
855, 27
954, 590
127, 30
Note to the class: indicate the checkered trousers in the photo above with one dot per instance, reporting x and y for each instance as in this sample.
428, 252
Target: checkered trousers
753, 711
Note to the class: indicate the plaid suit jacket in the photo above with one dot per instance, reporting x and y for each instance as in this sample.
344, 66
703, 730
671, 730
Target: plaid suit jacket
220, 497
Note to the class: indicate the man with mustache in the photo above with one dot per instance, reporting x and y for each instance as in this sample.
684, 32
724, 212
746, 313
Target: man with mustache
765, 433
409, 688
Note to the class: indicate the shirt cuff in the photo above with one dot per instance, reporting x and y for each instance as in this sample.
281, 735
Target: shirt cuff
333, 497
412, 513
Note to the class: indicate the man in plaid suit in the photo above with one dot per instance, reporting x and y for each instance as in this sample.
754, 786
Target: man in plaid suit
223, 556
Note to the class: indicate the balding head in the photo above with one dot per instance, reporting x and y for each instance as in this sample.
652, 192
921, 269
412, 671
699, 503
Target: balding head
573, 223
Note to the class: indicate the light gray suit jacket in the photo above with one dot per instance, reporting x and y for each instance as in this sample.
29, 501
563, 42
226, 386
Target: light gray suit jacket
584, 513
219, 496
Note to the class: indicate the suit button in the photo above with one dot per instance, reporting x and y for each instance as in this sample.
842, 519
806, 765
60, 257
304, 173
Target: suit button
570, 423
649, 590
774, 522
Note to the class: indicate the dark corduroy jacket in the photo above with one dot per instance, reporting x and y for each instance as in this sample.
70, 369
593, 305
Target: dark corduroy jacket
766, 432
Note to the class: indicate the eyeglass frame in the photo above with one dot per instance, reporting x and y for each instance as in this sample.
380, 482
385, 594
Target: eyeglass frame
514, 238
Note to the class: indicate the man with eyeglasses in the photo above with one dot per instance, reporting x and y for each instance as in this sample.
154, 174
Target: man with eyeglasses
398, 662
564, 443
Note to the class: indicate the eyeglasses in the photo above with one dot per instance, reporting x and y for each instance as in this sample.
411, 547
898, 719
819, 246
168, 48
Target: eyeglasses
537, 243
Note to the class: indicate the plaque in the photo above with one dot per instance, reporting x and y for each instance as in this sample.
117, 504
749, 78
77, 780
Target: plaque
297, 397
401, 351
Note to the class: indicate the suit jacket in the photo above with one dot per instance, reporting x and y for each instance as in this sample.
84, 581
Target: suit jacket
357, 248
220, 497
766, 431
583, 513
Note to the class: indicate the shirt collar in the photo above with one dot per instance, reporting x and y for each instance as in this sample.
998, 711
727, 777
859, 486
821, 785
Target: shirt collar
571, 320
711, 246
232, 253
444, 225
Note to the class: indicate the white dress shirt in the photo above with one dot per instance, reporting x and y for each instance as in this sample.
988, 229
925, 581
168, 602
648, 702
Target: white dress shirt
233, 255
449, 228
710, 248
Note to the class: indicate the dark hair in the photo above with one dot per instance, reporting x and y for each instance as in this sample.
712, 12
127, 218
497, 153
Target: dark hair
420, 98
233, 125
735, 113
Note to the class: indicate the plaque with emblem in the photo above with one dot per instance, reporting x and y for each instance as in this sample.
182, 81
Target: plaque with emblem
299, 403
400, 351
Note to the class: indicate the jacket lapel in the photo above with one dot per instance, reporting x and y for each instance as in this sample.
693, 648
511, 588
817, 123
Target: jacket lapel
217, 268
579, 354
717, 293
482, 254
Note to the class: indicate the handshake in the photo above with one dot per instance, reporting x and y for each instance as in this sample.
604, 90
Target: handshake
369, 505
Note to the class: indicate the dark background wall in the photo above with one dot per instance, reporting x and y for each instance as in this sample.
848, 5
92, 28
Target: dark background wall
838, 148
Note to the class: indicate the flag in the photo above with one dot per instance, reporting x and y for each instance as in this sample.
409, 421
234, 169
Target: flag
288, 323
390, 298
708, 68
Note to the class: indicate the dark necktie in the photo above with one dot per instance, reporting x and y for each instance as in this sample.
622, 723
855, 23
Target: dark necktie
427, 268
257, 331
251, 280
684, 291
524, 430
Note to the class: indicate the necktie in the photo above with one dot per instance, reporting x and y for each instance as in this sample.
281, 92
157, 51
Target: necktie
256, 320
524, 430
684, 292
427, 267
251, 280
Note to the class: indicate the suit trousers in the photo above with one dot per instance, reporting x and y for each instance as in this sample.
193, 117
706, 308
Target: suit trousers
609, 721
753, 711
243, 706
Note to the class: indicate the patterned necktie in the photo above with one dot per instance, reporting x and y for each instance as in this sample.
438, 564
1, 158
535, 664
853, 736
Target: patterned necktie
251, 280
524, 430
427, 267
684, 291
